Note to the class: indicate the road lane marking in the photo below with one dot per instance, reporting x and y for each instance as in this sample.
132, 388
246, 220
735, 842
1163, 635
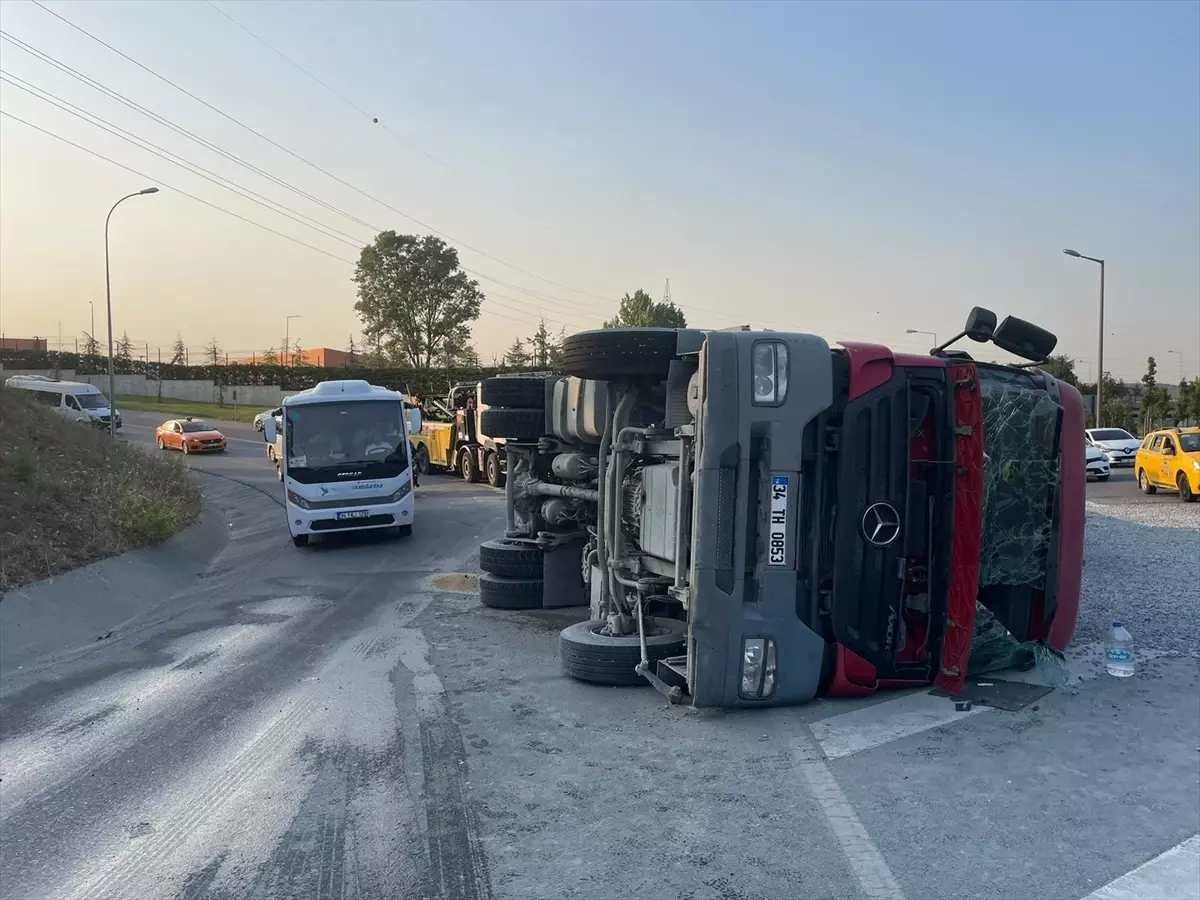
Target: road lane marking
1174, 875
882, 723
874, 877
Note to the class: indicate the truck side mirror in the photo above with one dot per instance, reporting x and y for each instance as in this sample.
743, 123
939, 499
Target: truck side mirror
1024, 339
414, 419
269, 431
981, 323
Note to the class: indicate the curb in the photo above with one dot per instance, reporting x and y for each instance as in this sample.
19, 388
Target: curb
74, 610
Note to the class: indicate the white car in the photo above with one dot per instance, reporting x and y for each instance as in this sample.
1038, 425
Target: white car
258, 420
1097, 464
1117, 444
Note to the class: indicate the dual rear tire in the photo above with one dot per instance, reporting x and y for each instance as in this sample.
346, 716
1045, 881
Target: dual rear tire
512, 574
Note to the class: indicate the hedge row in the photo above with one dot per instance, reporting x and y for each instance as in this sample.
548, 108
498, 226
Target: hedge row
426, 383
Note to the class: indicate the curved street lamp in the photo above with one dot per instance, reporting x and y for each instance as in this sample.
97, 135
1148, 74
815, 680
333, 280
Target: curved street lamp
1100, 352
112, 379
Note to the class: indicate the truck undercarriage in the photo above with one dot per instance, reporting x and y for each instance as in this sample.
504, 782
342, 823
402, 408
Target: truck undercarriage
755, 518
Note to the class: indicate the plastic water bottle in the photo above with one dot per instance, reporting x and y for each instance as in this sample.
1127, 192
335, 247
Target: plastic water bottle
1118, 655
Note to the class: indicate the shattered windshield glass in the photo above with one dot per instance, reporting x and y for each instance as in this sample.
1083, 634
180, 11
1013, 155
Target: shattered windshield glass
1020, 473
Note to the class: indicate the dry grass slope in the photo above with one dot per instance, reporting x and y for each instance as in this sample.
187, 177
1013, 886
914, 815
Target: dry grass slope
69, 495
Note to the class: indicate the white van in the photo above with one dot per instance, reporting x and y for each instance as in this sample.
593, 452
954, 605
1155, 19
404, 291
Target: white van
76, 400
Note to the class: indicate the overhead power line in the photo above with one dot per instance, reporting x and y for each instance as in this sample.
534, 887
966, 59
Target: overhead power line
98, 155
375, 121
584, 307
217, 207
309, 163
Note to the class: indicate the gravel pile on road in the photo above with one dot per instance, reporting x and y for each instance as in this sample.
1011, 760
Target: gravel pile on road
1142, 567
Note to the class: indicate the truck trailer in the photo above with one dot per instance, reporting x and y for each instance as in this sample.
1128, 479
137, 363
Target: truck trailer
756, 518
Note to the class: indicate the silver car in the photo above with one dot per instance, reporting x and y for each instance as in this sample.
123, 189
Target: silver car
1117, 444
261, 417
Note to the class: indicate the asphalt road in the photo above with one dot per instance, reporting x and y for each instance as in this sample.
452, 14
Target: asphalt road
331, 723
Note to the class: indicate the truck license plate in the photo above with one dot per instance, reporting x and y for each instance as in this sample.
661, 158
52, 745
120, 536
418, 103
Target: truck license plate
356, 514
777, 533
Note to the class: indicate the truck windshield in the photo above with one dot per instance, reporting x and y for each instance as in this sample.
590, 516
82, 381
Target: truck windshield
340, 441
92, 401
1021, 426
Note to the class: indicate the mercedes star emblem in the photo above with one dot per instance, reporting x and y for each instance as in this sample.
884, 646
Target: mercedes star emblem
881, 524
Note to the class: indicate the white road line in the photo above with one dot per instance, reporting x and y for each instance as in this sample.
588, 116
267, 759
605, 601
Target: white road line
1174, 875
865, 860
882, 723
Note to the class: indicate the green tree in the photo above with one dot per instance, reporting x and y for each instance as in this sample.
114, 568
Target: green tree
213, 353
352, 352
91, 346
414, 297
1184, 402
270, 357
1155, 402
124, 347
641, 311
296, 352
545, 349
178, 351
517, 356
1061, 367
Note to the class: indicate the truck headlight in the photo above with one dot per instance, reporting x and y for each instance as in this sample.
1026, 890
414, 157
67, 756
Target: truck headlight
758, 668
296, 499
769, 373
401, 492
1196, 466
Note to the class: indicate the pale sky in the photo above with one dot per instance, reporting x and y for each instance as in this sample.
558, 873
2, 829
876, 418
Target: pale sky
849, 169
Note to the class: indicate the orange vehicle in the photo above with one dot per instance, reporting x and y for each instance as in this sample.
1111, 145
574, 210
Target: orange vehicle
1170, 459
190, 436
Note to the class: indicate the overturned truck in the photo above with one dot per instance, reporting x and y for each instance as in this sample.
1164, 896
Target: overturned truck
756, 518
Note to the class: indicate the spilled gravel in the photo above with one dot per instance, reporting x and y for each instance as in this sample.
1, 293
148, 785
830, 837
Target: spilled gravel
1142, 566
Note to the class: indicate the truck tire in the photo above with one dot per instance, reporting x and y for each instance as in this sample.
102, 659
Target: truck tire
468, 468
588, 655
510, 559
510, 593
421, 459
514, 424
611, 354
515, 392
492, 472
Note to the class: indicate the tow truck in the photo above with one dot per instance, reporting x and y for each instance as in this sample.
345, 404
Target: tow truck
461, 441
756, 518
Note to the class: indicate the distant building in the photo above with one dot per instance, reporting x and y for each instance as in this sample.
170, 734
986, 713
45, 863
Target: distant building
318, 357
33, 343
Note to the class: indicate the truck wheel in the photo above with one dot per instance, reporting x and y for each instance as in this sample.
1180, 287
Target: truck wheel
1144, 483
615, 353
491, 470
514, 392
421, 459
510, 559
514, 424
590, 655
467, 467
1186, 494
510, 593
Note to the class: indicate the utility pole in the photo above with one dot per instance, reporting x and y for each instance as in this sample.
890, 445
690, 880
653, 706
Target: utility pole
667, 292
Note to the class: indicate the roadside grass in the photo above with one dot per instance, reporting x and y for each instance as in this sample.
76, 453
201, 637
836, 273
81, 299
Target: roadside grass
178, 409
70, 495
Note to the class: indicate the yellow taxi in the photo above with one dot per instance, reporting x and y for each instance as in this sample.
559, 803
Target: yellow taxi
1170, 459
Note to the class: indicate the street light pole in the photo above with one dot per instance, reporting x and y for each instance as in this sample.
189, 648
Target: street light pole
919, 331
287, 336
1180, 355
1100, 349
112, 378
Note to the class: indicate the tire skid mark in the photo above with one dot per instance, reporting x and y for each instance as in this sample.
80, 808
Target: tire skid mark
458, 868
